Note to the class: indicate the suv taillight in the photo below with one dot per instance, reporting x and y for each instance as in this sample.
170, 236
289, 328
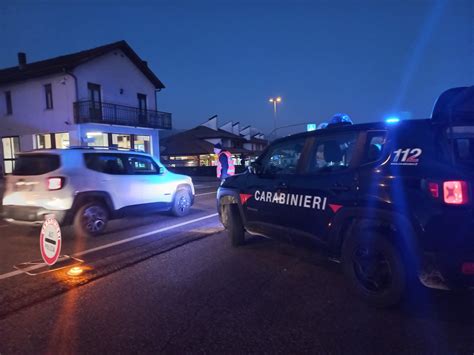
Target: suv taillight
455, 192
55, 183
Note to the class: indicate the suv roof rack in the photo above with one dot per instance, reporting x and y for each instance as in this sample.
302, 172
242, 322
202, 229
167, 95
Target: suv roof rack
106, 148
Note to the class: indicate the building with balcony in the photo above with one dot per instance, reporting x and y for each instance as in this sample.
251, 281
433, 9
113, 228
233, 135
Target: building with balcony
105, 96
195, 147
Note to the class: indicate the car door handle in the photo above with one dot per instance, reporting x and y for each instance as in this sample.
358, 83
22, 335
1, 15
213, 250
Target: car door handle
340, 187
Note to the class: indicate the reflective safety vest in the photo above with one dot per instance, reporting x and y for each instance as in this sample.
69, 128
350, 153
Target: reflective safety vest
230, 169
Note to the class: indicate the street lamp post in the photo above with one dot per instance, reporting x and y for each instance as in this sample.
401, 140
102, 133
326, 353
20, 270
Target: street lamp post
275, 101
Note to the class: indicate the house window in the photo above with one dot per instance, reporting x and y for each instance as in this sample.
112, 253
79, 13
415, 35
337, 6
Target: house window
8, 102
48, 93
61, 140
94, 92
44, 141
11, 146
95, 102
142, 143
142, 107
97, 139
142, 118
122, 141
52, 141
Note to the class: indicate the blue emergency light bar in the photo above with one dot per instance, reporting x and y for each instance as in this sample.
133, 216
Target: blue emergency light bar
392, 120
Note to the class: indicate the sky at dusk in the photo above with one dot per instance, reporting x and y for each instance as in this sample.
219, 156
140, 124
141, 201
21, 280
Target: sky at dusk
366, 58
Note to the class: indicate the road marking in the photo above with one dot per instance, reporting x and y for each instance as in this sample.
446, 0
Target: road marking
206, 193
4, 226
84, 252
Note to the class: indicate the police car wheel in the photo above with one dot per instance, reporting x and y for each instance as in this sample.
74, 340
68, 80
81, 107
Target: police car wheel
181, 203
235, 227
374, 268
90, 220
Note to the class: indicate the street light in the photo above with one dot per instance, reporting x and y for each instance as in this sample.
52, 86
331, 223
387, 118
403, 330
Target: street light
275, 101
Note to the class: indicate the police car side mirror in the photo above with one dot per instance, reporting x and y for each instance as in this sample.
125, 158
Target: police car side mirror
255, 168
161, 170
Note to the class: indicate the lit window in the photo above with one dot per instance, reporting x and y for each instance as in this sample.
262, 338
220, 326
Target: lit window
61, 140
122, 141
143, 143
11, 146
97, 139
43, 141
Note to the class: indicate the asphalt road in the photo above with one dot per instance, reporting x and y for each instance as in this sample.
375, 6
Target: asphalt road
186, 290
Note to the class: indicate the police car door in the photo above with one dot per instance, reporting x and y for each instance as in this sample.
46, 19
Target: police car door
267, 211
328, 184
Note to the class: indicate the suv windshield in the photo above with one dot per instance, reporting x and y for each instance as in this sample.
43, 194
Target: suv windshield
36, 164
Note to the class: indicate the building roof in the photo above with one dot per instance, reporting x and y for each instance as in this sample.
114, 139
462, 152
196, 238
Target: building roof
192, 142
204, 132
70, 61
183, 144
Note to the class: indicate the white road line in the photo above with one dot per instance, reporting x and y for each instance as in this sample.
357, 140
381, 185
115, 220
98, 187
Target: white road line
84, 252
4, 226
206, 193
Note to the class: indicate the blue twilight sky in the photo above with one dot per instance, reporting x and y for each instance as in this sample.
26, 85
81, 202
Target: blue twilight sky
368, 58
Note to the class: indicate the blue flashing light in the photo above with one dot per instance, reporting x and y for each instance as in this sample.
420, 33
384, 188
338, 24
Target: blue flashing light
340, 118
392, 120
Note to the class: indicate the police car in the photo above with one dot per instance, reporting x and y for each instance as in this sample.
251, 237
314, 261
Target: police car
393, 201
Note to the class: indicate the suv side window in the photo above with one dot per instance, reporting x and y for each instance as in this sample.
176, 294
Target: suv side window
140, 164
283, 157
332, 153
374, 147
105, 163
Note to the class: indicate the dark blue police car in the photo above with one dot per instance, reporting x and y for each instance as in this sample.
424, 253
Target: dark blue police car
392, 201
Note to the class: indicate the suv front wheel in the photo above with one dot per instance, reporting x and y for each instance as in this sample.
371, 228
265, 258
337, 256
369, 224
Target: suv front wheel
234, 225
374, 267
181, 203
90, 220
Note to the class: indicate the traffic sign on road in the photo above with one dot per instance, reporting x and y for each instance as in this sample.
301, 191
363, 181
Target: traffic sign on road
50, 240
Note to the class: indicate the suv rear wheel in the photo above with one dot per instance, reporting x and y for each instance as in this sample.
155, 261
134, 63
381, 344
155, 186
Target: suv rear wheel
91, 219
181, 203
374, 267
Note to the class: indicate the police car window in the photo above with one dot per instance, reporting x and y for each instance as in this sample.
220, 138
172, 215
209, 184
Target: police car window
283, 158
333, 153
373, 150
142, 165
105, 163
463, 139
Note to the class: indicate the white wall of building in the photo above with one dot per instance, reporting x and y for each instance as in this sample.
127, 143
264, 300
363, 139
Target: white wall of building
30, 115
115, 71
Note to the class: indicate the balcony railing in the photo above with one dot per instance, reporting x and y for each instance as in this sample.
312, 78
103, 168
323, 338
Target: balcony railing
107, 113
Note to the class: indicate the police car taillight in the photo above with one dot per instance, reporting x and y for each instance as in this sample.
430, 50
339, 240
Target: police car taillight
55, 183
455, 192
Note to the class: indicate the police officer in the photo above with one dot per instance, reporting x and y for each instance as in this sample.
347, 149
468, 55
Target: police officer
225, 165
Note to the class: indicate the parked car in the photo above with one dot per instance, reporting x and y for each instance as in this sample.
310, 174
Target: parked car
87, 187
393, 201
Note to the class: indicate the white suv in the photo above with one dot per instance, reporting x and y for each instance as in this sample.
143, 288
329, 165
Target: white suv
87, 187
